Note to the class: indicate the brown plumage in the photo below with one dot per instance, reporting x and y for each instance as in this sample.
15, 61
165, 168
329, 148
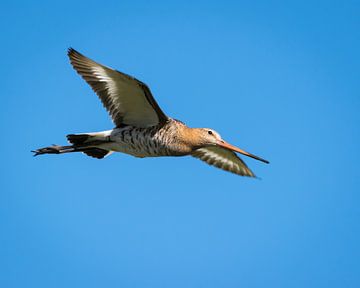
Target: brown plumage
142, 128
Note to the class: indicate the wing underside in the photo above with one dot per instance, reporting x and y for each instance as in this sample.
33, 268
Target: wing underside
128, 100
224, 159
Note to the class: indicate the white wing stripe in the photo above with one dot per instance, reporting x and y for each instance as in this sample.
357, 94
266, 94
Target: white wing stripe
128, 101
223, 159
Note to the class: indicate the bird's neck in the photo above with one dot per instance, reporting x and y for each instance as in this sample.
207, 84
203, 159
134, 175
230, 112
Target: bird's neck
190, 138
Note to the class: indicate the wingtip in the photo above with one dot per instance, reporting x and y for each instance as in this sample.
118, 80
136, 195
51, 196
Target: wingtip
72, 52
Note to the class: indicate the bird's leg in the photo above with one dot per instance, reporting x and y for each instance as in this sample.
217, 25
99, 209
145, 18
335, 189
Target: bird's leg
54, 149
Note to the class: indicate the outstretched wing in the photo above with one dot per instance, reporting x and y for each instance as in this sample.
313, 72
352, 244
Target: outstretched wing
223, 159
128, 100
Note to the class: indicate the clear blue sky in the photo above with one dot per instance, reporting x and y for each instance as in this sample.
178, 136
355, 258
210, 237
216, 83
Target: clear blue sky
278, 79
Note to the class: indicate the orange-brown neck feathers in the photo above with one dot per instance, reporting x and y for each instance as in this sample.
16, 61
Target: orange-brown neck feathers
192, 137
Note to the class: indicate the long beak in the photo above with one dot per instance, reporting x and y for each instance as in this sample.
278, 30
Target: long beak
226, 145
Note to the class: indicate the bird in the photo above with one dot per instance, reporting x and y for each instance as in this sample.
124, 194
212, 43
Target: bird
142, 129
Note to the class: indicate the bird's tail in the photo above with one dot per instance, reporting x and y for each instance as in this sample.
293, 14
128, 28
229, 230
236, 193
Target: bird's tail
85, 143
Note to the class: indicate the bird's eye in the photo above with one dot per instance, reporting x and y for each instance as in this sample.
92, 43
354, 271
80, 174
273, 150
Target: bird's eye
210, 132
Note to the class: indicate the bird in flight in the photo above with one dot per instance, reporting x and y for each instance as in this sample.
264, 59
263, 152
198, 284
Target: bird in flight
142, 129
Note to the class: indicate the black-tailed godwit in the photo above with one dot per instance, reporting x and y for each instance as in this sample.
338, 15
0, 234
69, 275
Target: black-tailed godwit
142, 128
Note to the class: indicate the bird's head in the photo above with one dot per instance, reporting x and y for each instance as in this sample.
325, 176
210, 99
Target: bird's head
208, 137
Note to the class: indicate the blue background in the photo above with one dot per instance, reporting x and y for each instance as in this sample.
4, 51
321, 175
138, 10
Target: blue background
278, 79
